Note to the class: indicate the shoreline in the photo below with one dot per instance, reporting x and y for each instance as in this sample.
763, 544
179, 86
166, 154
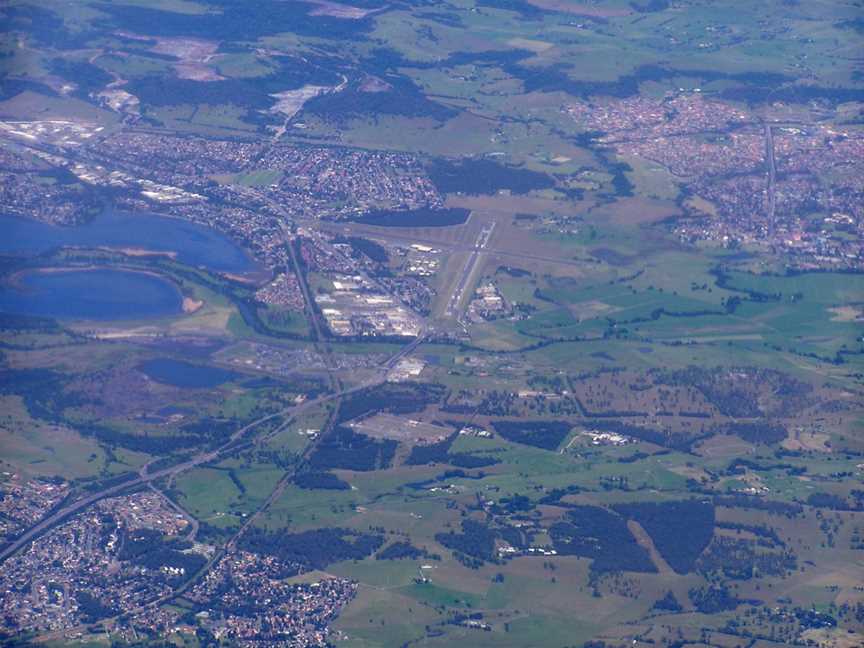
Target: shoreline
15, 280
188, 305
253, 266
191, 305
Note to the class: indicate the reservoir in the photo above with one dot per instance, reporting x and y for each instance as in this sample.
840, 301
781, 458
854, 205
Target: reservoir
194, 244
185, 374
99, 294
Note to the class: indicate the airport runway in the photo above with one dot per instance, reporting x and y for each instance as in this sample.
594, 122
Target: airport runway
464, 282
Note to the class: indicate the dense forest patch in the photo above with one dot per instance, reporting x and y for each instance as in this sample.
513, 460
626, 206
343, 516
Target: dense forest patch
422, 217
539, 434
344, 448
680, 530
401, 550
603, 536
394, 398
321, 480
314, 549
482, 176
476, 540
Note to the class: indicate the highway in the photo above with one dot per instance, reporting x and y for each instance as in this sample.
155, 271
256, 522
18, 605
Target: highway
222, 452
145, 476
304, 288
227, 449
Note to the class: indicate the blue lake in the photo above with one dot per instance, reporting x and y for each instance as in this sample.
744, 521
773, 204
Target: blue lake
194, 244
91, 295
185, 374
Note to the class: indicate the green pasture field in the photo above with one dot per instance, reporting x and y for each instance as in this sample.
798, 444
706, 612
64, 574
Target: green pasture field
518, 289
240, 406
644, 355
517, 609
651, 179
243, 65
405, 619
132, 65
29, 105
383, 574
499, 335
302, 509
210, 495
679, 301
259, 479
35, 448
73, 356
285, 321
216, 120
823, 288
525, 467
462, 135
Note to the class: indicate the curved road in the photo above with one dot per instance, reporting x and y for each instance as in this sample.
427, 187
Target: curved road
225, 450
145, 476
